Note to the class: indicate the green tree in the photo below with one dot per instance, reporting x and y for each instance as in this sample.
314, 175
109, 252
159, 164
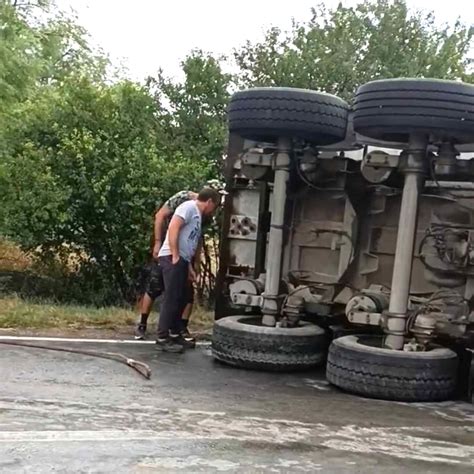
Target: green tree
80, 169
194, 119
193, 112
84, 179
85, 162
81, 179
340, 49
39, 46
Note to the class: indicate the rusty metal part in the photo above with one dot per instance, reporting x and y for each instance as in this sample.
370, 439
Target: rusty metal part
140, 367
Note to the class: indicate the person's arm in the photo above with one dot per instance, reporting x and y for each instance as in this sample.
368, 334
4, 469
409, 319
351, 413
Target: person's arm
160, 217
163, 214
191, 273
173, 237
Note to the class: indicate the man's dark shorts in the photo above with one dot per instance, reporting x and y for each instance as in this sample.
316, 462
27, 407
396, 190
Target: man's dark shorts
155, 283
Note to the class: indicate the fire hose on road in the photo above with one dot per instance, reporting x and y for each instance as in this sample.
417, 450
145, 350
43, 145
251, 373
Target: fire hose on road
140, 367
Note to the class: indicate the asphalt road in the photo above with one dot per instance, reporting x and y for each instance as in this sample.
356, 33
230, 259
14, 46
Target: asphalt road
71, 413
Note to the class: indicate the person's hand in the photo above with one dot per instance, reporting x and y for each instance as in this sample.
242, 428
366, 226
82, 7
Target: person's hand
192, 274
156, 249
175, 259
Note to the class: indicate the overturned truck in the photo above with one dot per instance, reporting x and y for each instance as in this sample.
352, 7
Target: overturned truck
335, 252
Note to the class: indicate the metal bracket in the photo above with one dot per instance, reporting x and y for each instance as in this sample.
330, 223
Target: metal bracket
246, 300
255, 162
363, 317
381, 159
389, 323
246, 292
243, 227
377, 166
257, 157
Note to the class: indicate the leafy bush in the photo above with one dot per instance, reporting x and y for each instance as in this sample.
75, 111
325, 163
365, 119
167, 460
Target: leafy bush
87, 162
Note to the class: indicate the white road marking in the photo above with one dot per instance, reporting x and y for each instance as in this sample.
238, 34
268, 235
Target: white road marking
71, 339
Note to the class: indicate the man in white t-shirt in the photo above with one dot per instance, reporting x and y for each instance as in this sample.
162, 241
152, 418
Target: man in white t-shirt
175, 257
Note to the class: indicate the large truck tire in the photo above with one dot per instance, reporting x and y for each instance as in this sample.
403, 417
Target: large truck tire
392, 109
359, 364
265, 114
242, 342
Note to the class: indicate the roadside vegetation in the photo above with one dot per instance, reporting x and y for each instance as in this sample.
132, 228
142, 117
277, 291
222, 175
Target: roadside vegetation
44, 315
86, 155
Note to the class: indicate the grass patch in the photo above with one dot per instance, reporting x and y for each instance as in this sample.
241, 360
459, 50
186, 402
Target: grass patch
201, 319
40, 313
17, 313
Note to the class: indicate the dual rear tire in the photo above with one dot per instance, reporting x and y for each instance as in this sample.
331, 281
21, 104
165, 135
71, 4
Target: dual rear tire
358, 364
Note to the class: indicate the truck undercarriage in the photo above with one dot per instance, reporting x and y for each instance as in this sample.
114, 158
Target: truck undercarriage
332, 250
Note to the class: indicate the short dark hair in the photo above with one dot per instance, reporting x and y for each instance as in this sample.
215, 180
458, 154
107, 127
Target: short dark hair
208, 193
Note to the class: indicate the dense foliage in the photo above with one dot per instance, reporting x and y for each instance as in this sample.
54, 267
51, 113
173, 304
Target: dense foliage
86, 155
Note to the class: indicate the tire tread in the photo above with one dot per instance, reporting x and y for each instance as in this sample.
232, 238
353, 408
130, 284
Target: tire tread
391, 378
243, 346
269, 113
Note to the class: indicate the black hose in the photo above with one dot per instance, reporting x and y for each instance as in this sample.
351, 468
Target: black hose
142, 368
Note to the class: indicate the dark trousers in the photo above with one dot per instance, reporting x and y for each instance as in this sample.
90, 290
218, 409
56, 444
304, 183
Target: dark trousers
175, 295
